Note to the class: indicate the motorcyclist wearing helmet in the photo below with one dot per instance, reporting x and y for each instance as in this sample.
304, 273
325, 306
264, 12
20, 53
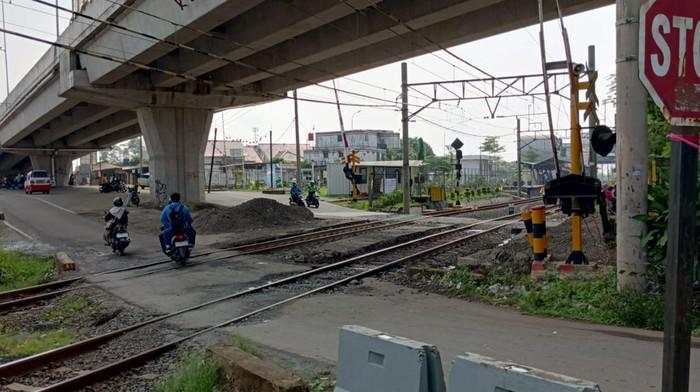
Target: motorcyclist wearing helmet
295, 192
116, 215
175, 215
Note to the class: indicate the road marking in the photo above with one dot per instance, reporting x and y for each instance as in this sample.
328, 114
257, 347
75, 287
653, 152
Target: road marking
18, 231
56, 205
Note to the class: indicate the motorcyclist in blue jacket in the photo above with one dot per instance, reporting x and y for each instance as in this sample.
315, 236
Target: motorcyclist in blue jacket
175, 216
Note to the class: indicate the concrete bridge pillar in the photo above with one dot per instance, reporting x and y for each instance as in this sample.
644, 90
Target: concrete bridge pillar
176, 139
59, 165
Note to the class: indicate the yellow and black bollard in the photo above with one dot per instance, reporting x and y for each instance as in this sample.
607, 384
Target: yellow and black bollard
526, 217
539, 233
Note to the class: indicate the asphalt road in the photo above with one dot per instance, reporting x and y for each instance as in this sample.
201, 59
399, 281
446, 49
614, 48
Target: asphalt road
620, 359
49, 223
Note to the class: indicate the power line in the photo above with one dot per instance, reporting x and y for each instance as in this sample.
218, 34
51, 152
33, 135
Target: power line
437, 44
457, 130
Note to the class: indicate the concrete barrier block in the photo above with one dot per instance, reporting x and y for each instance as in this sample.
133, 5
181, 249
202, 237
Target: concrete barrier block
64, 262
370, 360
247, 373
475, 373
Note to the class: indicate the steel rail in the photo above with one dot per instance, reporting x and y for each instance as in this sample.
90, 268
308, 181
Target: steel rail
65, 282
21, 365
104, 372
488, 207
283, 243
38, 288
252, 248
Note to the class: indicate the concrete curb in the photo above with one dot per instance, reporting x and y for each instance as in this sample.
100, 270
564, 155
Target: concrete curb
247, 373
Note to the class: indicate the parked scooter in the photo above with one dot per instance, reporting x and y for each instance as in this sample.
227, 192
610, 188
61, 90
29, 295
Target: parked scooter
133, 196
113, 186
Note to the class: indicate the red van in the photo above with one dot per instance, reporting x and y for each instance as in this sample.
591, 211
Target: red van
37, 181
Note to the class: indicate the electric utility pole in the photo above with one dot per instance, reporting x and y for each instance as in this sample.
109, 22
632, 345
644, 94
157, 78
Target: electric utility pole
272, 169
211, 166
592, 122
632, 150
520, 171
296, 127
406, 178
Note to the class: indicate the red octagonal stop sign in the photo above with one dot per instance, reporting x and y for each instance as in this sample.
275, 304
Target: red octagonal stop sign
669, 63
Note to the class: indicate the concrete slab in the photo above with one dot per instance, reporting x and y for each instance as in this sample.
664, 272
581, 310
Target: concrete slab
619, 359
174, 289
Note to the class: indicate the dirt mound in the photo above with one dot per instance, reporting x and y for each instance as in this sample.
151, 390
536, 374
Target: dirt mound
255, 214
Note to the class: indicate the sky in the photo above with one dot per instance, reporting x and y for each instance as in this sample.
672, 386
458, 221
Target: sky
512, 53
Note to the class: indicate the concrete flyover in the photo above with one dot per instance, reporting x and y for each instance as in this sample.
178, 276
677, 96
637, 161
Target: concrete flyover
247, 52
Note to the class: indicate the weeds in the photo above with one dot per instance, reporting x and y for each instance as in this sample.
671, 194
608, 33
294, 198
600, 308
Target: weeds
244, 344
18, 344
194, 373
593, 298
67, 308
19, 270
321, 383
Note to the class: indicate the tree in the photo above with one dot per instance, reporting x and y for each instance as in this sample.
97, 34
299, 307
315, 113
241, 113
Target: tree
529, 155
491, 145
414, 150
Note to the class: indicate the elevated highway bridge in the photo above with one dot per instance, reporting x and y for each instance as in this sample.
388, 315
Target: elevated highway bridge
245, 52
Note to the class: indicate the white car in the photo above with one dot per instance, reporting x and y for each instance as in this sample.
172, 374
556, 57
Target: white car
37, 181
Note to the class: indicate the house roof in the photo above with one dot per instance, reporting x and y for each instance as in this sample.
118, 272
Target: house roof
223, 147
284, 151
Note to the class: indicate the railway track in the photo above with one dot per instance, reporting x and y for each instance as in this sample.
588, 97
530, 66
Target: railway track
488, 207
293, 287
21, 297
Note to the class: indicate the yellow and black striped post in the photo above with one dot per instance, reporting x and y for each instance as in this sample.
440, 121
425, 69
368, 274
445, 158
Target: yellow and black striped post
526, 217
539, 233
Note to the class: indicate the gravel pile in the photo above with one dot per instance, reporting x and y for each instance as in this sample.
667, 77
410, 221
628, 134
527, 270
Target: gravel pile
253, 214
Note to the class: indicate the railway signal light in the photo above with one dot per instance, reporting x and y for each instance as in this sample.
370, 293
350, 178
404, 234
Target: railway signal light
603, 140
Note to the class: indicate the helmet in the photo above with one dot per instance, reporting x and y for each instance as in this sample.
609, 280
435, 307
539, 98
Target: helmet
118, 202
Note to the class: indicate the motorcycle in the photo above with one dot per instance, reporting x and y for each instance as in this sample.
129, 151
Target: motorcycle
312, 200
180, 247
296, 200
133, 196
114, 186
120, 239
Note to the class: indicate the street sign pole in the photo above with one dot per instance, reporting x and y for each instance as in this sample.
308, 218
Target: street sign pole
670, 70
680, 256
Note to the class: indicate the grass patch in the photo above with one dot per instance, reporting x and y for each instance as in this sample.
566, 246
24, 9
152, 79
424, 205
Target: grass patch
18, 344
67, 308
194, 373
19, 270
244, 344
593, 298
